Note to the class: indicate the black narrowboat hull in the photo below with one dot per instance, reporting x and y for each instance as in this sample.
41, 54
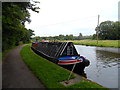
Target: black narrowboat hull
80, 66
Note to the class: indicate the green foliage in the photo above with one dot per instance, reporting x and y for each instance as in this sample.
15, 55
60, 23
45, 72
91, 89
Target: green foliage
27, 35
94, 36
63, 37
14, 16
108, 30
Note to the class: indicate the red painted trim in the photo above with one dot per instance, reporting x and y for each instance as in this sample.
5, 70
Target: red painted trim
70, 62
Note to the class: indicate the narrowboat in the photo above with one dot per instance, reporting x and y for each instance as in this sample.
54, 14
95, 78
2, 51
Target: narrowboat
61, 53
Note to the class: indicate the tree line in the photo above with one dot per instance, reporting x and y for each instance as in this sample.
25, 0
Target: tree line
63, 37
14, 16
107, 30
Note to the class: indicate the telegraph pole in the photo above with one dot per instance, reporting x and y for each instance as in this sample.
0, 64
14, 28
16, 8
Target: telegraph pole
97, 28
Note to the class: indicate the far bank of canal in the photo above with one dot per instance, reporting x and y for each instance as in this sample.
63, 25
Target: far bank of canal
104, 64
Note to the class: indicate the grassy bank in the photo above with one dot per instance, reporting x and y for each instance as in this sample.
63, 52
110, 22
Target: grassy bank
101, 43
49, 73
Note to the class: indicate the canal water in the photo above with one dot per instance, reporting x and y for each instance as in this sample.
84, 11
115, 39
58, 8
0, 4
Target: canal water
103, 67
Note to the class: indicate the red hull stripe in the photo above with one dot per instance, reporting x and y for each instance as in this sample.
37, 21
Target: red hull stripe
70, 62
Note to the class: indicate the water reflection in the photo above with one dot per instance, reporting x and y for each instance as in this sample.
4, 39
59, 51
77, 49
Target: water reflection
103, 67
107, 59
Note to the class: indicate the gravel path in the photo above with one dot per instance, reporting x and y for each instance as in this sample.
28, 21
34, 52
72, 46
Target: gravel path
15, 74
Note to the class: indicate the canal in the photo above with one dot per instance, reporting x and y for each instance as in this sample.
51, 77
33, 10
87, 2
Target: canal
103, 67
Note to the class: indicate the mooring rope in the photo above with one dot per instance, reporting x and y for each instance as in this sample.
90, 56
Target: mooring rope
72, 71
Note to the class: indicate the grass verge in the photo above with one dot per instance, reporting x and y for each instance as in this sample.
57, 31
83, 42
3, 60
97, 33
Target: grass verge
101, 43
49, 73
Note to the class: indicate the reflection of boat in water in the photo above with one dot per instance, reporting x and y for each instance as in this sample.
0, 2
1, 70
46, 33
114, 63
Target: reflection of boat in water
61, 53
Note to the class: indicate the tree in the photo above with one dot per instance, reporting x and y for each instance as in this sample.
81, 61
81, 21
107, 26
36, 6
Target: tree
14, 15
69, 37
94, 36
109, 30
61, 37
117, 30
80, 36
27, 35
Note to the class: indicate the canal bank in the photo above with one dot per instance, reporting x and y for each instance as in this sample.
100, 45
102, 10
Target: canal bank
99, 43
49, 73
104, 64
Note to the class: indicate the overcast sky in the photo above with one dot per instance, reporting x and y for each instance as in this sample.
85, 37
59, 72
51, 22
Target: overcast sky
71, 16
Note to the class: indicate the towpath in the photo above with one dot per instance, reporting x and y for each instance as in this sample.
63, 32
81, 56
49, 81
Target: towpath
15, 74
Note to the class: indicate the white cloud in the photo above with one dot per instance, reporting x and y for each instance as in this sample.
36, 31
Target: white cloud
71, 16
